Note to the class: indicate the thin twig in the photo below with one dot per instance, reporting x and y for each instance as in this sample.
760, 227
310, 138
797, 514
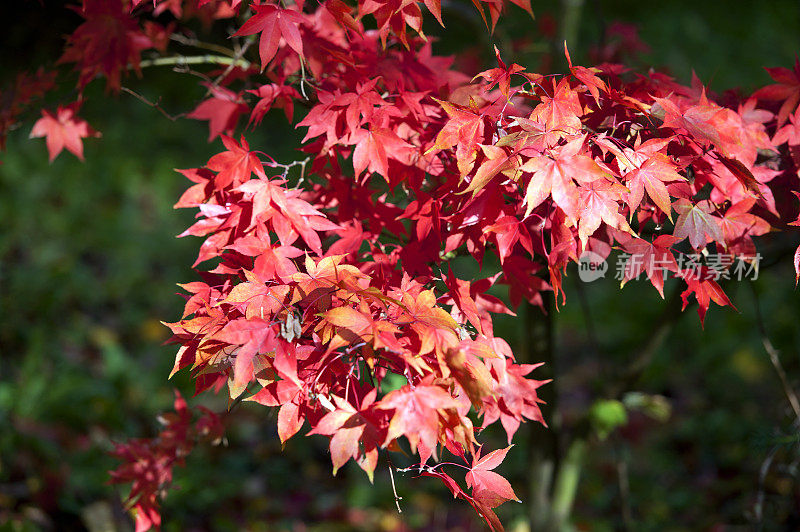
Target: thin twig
303, 78
190, 41
286, 167
184, 69
238, 55
758, 508
397, 498
774, 357
152, 104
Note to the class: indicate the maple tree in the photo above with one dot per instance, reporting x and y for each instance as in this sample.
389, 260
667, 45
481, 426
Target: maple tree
321, 277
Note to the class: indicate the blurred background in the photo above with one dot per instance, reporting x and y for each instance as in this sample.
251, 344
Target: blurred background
663, 425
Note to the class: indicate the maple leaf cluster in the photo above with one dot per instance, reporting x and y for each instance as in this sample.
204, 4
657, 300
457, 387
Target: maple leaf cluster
314, 330
314, 292
15, 98
147, 463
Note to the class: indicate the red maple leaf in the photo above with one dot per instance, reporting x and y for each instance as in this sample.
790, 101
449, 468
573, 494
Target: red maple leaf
559, 113
701, 283
513, 396
707, 123
789, 133
236, 165
487, 486
356, 432
555, 174
257, 300
373, 149
500, 75
520, 273
588, 76
738, 221
433, 324
496, 161
600, 203
650, 176
222, 110
509, 231
273, 23
787, 89
654, 258
342, 13
148, 463
482, 509
107, 42
697, 223
351, 237
463, 129
361, 104
290, 393
416, 414
325, 274
62, 130
254, 336
273, 95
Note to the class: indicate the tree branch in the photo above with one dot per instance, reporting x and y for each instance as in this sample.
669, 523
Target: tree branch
180, 60
189, 41
774, 356
152, 104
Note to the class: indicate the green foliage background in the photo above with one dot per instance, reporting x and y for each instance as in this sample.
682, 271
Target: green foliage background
89, 263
